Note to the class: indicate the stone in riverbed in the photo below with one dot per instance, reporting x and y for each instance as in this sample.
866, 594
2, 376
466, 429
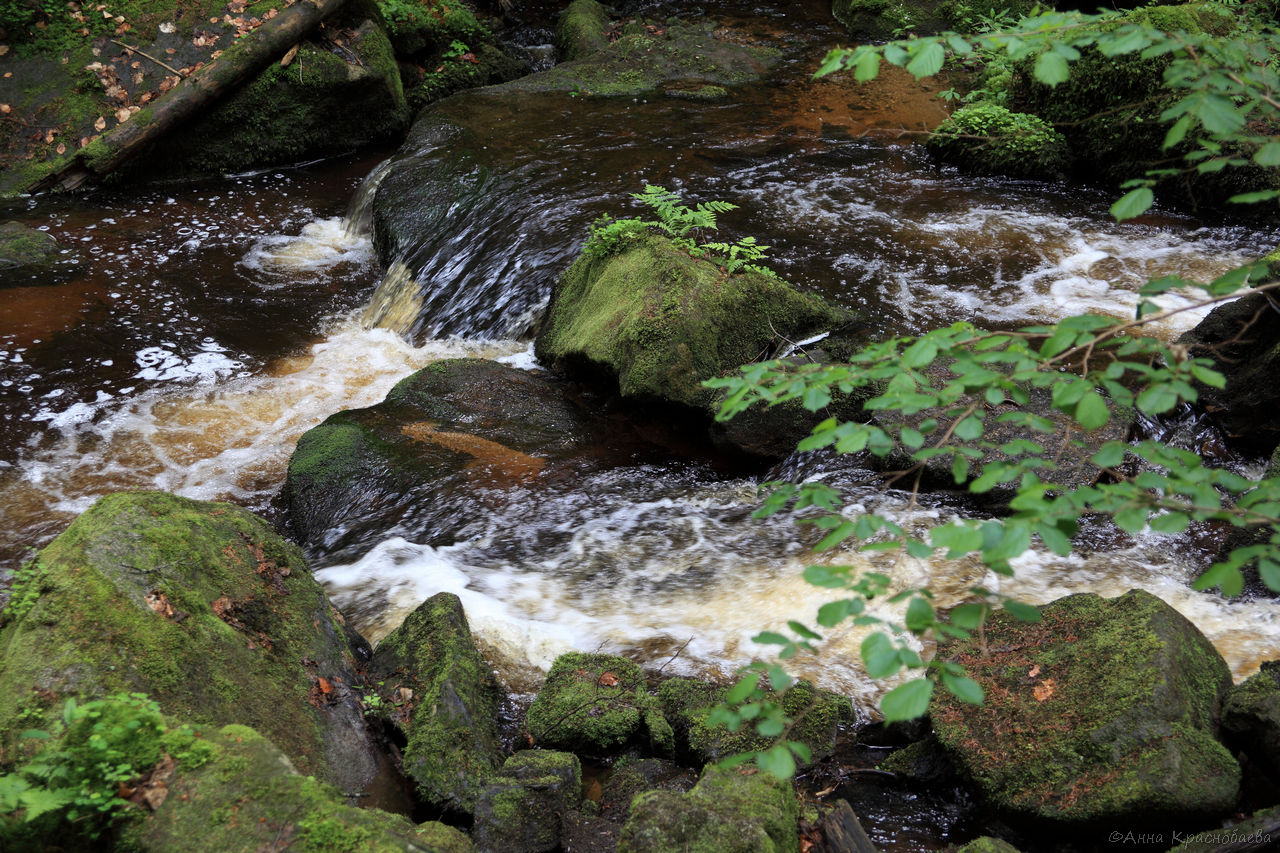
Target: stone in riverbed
201, 606
522, 809
440, 692
1251, 717
1106, 710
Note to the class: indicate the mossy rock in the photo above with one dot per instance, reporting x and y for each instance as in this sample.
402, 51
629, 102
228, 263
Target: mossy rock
923, 763
521, 810
728, 811
1251, 717
1104, 711
662, 322
644, 58
597, 704
688, 702
450, 718
327, 101
581, 30
418, 28
28, 256
415, 462
1256, 832
483, 65
988, 844
988, 139
248, 796
199, 605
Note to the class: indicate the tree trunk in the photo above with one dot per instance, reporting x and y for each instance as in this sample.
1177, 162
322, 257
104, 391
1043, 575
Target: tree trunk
249, 55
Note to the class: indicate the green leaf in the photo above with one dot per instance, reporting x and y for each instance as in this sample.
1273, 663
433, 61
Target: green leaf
1092, 412
1157, 399
963, 688
802, 631
777, 762
1254, 197
1178, 132
967, 616
827, 577
744, 688
867, 66
834, 612
919, 353
1133, 203
919, 616
907, 701
1268, 155
928, 59
880, 656
1218, 115
771, 638
1021, 612
1051, 69
969, 429
1172, 522
36, 734
1109, 455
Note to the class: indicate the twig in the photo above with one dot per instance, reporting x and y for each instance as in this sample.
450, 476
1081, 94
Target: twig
674, 656
168, 68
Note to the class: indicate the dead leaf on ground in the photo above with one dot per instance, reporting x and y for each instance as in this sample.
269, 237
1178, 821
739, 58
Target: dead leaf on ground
1043, 691
122, 114
289, 55
157, 600
100, 125
61, 149
608, 679
5, 109
4, 48
1035, 670
48, 136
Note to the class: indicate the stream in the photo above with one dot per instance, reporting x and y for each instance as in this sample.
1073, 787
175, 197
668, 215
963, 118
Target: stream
198, 330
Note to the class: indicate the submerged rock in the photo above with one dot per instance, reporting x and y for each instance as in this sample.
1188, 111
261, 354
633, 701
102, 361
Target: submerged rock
27, 255
1106, 710
201, 606
1251, 717
988, 139
597, 704
522, 809
661, 322
244, 794
728, 811
425, 460
445, 699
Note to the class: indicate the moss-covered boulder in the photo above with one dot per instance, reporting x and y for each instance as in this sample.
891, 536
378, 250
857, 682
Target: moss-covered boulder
28, 256
891, 19
728, 811
201, 606
1104, 711
988, 139
246, 795
988, 844
648, 55
329, 99
597, 704
456, 70
1251, 717
419, 28
437, 689
1258, 831
662, 322
688, 702
416, 463
581, 30
522, 809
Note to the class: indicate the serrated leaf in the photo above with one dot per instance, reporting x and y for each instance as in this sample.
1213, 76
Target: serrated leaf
879, 656
967, 616
1051, 69
1268, 155
867, 66
919, 616
963, 688
907, 701
927, 60
1178, 132
1109, 455
834, 612
744, 688
1133, 203
1020, 611
777, 762
1092, 411
969, 429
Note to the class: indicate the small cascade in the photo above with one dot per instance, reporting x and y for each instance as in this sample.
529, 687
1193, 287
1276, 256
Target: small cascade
396, 303
358, 220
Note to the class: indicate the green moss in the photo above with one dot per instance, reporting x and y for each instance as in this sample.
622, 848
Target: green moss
596, 704
988, 844
1117, 719
452, 730
419, 27
689, 702
989, 139
249, 797
663, 322
581, 30
728, 811
199, 605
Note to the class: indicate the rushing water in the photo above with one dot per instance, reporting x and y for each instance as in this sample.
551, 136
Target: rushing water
204, 328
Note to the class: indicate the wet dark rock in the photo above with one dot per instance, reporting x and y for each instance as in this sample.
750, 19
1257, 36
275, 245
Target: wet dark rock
1259, 831
924, 762
430, 458
1251, 717
660, 322
842, 832
522, 809
728, 811
437, 689
1243, 339
988, 844
1104, 711
689, 702
199, 605
234, 790
597, 704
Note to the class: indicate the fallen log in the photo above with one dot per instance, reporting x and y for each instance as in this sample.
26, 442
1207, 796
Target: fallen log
250, 54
